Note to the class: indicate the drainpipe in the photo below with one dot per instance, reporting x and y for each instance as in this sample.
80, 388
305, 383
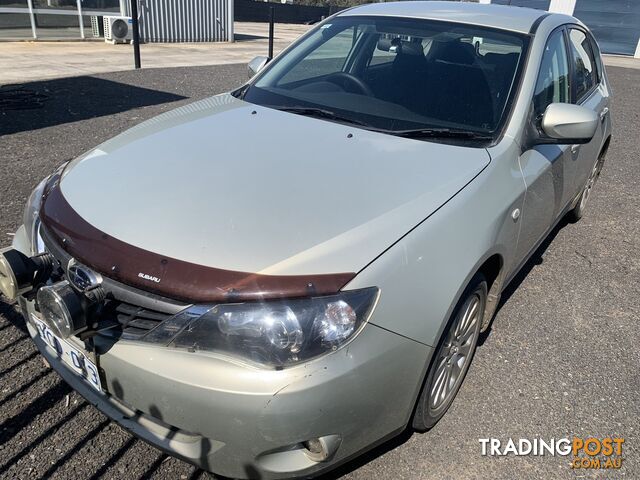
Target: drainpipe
79, 6
32, 19
230, 36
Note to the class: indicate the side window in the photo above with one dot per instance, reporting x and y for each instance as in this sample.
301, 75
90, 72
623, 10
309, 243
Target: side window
552, 85
596, 53
585, 76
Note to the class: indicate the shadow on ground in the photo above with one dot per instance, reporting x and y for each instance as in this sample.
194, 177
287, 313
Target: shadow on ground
243, 37
37, 406
36, 105
537, 257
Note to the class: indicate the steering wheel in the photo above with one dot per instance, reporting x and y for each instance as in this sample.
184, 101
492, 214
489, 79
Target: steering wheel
350, 83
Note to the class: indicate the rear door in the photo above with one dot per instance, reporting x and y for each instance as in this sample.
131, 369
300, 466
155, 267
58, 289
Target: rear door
587, 89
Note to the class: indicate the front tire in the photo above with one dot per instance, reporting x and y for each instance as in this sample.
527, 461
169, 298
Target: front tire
578, 211
453, 356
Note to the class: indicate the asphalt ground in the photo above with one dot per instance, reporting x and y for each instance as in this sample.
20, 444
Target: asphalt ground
560, 360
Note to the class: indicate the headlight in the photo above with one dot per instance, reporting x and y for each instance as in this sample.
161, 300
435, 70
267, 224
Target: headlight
276, 333
30, 217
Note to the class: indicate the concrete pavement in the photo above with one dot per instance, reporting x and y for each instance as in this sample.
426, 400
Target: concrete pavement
32, 61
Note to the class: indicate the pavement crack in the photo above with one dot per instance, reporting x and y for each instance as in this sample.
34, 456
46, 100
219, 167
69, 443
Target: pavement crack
582, 255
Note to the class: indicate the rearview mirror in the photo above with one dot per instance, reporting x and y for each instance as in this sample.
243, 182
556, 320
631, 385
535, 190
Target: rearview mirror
256, 65
566, 123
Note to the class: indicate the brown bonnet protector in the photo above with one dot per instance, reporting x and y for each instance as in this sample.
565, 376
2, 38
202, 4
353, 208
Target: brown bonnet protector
166, 276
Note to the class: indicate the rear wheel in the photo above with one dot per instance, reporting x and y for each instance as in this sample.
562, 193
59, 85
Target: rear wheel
453, 356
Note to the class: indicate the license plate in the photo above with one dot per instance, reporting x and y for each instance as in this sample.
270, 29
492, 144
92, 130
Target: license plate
73, 357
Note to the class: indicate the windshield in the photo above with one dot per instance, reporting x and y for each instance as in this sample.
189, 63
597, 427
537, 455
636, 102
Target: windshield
396, 75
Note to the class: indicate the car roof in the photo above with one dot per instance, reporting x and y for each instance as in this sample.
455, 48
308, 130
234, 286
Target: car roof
517, 19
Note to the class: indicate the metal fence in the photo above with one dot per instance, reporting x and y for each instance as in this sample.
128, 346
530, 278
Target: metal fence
252, 11
186, 20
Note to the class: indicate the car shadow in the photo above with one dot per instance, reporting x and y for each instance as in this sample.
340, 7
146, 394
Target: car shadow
36, 105
16, 320
536, 259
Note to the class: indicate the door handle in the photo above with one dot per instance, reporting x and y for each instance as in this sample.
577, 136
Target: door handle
603, 113
575, 148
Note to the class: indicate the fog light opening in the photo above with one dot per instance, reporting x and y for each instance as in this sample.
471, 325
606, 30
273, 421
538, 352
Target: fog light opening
321, 449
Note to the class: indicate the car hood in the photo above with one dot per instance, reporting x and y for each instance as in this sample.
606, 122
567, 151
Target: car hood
223, 183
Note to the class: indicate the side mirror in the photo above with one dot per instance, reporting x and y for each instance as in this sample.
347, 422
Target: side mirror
256, 65
565, 123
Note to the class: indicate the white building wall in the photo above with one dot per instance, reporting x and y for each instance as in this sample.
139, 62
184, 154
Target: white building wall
562, 6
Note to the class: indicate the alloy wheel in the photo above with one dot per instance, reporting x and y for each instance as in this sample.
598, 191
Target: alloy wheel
586, 193
456, 353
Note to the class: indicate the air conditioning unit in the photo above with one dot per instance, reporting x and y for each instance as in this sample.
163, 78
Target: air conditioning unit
97, 27
117, 29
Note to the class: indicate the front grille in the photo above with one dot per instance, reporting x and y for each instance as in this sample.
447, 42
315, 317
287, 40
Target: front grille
134, 320
127, 312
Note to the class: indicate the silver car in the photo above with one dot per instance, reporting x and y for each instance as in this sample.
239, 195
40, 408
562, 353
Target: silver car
268, 282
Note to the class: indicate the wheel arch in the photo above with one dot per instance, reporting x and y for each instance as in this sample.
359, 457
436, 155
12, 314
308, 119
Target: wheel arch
492, 266
605, 147
493, 270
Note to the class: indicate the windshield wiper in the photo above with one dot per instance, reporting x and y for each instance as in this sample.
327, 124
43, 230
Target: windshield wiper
442, 133
413, 133
322, 113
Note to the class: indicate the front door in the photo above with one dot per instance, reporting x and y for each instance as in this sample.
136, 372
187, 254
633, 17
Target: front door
548, 170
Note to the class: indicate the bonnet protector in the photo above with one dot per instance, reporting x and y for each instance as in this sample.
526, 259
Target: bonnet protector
167, 276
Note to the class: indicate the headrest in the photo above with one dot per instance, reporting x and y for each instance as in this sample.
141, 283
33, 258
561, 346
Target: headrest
454, 52
396, 45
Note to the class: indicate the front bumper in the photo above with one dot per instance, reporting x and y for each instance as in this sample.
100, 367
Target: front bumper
240, 421
243, 421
